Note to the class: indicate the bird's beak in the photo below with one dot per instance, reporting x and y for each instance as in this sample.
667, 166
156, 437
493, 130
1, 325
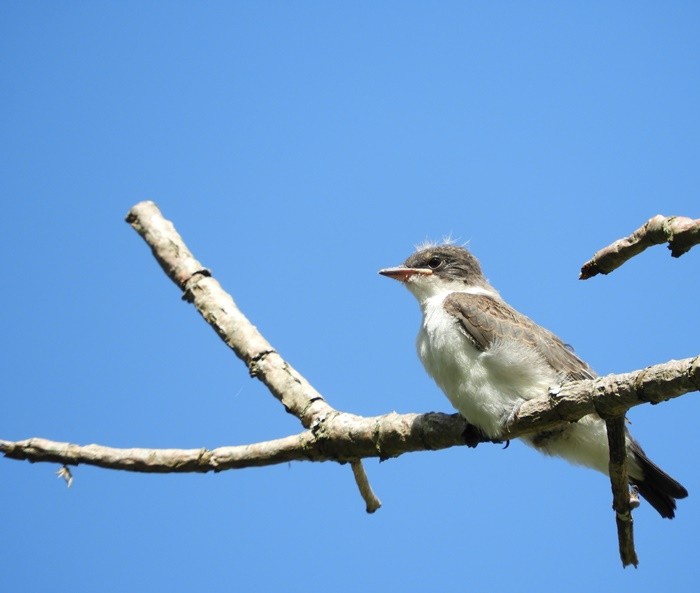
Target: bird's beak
402, 273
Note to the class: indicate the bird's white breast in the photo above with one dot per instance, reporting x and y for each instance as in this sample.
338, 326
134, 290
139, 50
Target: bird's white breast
484, 386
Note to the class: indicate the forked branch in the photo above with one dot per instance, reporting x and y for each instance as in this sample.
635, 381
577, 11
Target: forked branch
343, 437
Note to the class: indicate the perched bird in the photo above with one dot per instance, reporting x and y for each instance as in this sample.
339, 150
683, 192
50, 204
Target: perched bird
488, 358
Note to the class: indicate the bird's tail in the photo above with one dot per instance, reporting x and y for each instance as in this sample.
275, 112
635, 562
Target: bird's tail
656, 486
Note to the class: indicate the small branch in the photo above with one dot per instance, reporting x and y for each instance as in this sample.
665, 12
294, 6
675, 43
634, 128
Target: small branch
619, 482
681, 233
158, 461
371, 500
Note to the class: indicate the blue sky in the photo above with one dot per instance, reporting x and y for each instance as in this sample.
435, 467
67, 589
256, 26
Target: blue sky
298, 148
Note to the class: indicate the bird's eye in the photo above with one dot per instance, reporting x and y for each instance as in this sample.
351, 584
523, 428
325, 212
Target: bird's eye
434, 263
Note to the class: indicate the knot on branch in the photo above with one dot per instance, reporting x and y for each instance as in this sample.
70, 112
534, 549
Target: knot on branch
639, 388
683, 233
323, 430
190, 283
255, 363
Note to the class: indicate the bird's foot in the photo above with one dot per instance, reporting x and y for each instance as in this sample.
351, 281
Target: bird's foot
473, 435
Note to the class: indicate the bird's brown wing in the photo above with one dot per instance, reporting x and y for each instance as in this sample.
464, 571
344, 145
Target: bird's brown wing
485, 319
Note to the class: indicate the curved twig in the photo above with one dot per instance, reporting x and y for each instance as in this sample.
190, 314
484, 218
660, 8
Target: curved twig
679, 232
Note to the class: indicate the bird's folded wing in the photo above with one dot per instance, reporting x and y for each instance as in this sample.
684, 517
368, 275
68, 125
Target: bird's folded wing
485, 319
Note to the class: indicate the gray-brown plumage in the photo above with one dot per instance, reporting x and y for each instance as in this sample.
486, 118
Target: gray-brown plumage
485, 319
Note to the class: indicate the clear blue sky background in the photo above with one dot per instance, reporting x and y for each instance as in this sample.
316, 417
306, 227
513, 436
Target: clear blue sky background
299, 147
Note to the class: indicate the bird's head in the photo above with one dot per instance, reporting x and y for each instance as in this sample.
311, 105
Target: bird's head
438, 269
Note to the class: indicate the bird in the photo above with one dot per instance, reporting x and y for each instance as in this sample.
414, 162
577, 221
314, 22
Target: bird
488, 359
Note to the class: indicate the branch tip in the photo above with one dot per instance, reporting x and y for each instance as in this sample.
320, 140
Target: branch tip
681, 233
371, 501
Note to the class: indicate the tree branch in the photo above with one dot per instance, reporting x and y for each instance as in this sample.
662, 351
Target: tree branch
619, 481
345, 438
612, 395
679, 232
220, 311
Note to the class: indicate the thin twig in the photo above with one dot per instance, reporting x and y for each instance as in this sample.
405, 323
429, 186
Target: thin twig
681, 233
371, 501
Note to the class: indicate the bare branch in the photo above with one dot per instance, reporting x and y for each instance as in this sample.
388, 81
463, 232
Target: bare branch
155, 460
220, 311
371, 500
612, 395
619, 482
339, 437
679, 232
345, 438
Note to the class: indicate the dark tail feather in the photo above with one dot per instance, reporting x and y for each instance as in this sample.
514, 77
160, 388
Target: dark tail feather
656, 486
